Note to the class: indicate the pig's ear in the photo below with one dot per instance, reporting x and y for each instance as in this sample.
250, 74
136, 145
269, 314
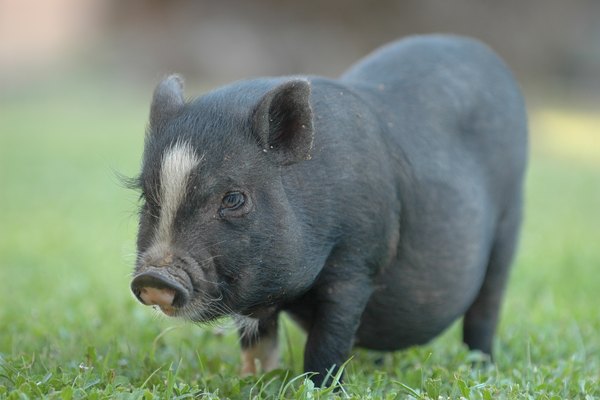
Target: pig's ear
167, 100
283, 122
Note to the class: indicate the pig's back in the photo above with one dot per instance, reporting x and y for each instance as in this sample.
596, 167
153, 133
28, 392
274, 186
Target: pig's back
449, 111
433, 93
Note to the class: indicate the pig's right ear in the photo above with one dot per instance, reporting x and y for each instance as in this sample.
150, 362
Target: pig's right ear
283, 122
167, 100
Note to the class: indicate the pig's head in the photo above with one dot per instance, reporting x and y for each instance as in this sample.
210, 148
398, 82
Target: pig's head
217, 233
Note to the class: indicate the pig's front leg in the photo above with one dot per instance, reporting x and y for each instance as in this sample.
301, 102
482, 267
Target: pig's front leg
260, 350
336, 319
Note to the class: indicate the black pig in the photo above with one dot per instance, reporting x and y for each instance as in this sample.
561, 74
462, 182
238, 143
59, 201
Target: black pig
375, 209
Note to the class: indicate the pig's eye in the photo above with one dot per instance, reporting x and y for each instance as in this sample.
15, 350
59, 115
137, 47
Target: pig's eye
232, 201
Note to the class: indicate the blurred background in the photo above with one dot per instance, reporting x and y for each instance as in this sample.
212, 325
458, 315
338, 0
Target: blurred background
76, 78
548, 43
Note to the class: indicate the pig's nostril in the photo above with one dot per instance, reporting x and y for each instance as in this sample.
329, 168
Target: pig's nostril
157, 297
157, 287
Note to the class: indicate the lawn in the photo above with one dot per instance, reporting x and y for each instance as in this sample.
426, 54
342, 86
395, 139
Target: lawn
69, 327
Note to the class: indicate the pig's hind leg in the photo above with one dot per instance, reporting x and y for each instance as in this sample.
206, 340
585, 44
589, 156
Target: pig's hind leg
479, 323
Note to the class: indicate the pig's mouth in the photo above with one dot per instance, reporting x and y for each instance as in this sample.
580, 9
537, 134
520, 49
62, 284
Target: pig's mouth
168, 289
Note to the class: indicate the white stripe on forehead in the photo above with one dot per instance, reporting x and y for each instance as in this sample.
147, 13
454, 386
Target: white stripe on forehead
176, 165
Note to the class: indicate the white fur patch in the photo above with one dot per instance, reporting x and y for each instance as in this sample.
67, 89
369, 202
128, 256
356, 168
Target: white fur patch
263, 354
176, 165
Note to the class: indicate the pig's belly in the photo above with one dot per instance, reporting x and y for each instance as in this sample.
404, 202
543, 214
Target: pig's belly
411, 306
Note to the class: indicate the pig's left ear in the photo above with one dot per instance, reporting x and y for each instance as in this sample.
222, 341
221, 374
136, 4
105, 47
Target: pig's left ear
167, 100
283, 122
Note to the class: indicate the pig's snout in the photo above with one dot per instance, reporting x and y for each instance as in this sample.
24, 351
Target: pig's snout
155, 287
160, 297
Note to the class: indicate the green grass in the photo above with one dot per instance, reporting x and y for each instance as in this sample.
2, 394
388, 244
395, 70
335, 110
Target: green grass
69, 327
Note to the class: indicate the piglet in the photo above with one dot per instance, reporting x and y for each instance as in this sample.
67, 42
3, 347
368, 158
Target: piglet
375, 209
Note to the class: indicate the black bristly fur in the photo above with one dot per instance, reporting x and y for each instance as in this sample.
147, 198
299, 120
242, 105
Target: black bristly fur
382, 206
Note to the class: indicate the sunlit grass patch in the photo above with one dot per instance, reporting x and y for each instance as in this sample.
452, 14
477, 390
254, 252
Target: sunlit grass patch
566, 133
